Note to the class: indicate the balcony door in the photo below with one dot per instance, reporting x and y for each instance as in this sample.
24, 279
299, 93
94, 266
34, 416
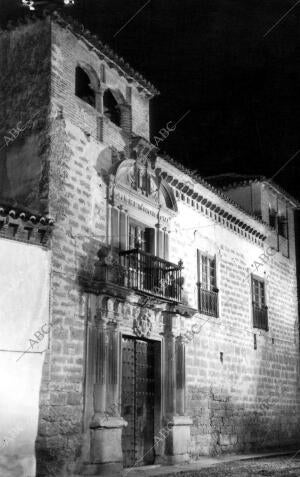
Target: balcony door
138, 401
129, 234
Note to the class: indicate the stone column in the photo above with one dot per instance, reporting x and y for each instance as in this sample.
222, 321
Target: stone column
112, 369
180, 376
176, 425
126, 125
100, 385
170, 360
99, 108
106, 426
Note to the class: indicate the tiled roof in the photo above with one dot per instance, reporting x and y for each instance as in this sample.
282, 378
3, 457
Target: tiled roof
203, 181
104, 51
100, 48
232, 180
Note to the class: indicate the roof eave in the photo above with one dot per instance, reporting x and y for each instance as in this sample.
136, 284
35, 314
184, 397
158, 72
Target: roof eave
106, 53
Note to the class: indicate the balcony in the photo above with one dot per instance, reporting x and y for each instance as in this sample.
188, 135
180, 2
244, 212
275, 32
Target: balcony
152, 275
208, 301
260, 317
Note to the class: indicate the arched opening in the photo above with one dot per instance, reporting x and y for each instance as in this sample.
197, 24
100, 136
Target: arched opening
111, 108
83, 87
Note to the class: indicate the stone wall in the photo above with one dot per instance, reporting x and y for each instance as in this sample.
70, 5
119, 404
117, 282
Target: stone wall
247, 398
68, 52
77, 195
80, 230
232, 403
225, 399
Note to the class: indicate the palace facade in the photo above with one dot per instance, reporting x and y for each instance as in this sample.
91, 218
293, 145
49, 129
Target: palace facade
173, 305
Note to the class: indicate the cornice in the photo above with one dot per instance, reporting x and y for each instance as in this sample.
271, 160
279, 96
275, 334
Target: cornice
209, 207
22, 226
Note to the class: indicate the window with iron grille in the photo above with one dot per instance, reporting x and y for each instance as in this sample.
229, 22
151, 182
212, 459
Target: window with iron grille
207, 284
259, 308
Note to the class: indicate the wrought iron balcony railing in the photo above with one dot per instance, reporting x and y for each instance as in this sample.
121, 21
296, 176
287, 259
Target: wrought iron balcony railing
260, 317
150, 274
208, 301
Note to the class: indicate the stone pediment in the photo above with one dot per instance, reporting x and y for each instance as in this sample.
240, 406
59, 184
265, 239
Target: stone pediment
138, 176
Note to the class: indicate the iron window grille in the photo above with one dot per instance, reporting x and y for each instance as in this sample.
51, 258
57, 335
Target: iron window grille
259, 308
207, 285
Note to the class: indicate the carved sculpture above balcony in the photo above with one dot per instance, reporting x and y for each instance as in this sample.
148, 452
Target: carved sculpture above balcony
139, 176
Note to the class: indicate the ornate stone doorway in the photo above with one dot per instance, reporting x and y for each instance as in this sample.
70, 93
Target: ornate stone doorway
134, 386
138, 400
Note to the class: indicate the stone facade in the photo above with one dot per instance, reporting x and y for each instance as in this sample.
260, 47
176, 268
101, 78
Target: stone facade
221, 384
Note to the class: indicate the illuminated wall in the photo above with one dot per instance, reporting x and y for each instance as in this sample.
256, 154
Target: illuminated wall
24, 318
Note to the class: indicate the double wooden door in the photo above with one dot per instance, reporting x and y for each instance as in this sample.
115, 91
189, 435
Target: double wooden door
138, 398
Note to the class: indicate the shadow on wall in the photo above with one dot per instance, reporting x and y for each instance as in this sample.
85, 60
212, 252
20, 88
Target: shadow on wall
23, 174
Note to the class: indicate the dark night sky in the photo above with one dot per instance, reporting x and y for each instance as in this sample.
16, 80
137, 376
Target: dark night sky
211, 57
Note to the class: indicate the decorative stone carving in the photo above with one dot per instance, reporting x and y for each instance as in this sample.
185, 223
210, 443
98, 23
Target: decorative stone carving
144, 152
110, 260
143, 324
127, 312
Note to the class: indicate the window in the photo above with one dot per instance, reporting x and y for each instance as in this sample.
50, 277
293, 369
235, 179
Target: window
207, 284
272, 218
258, 293
111, 108
260, 310
282, 226
130, 234
278, 219
137, 237
208, 272
83, 87
148, 239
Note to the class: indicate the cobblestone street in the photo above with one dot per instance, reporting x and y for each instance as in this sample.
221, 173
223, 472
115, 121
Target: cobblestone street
278, 466
282, 467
